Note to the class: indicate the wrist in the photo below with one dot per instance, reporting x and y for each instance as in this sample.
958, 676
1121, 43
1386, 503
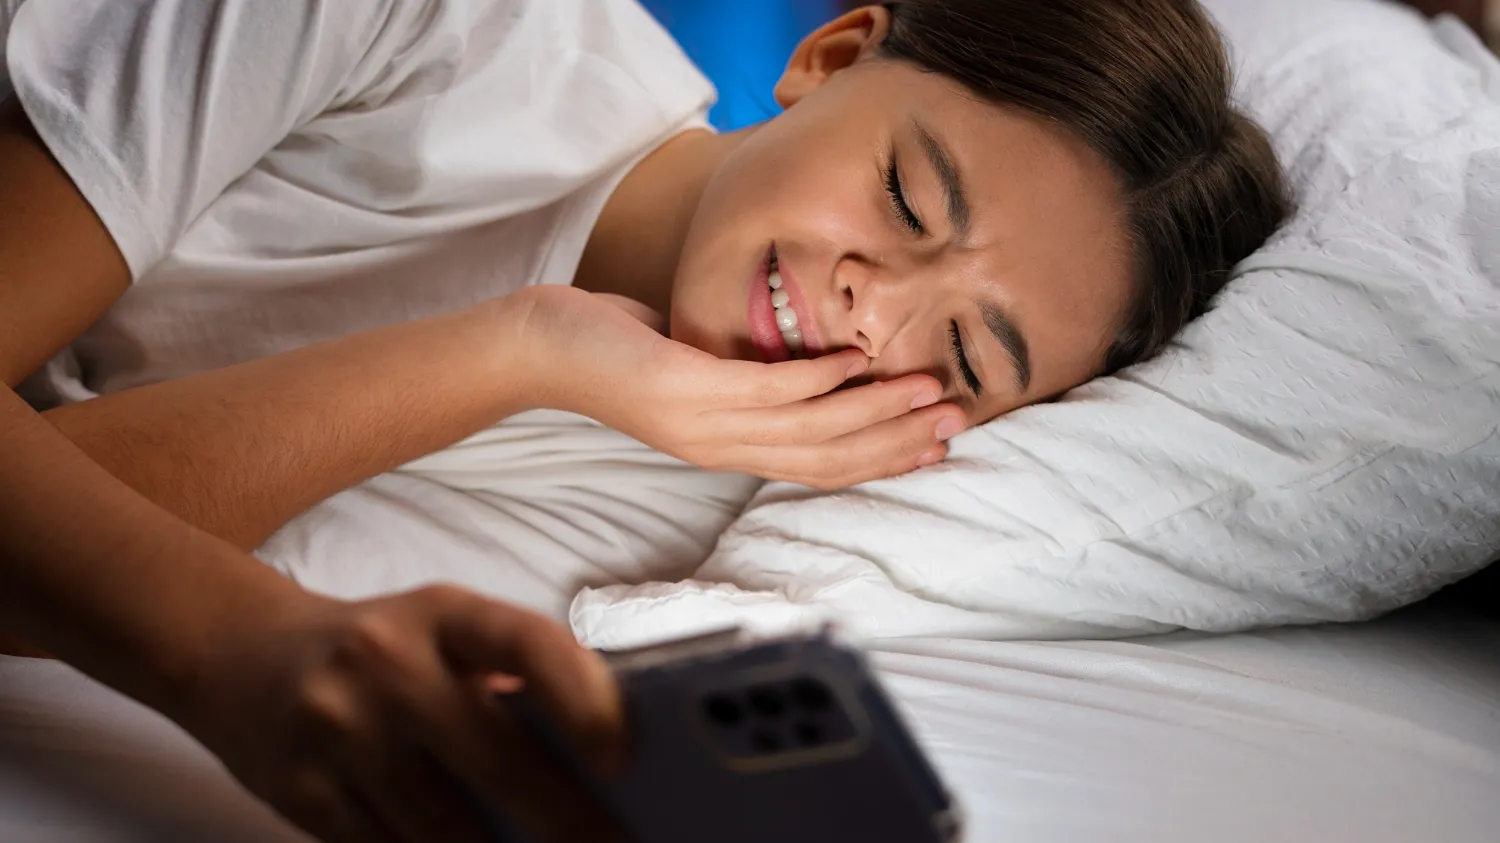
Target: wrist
211, 628
525, 354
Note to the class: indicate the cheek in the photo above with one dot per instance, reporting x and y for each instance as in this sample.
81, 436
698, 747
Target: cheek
914, 353
800, 175
996, 407
751, 202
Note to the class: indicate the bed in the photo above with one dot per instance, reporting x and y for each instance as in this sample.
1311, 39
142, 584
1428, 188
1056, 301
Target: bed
1387, 732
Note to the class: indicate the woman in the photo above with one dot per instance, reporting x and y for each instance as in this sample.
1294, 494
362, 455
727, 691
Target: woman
291, 244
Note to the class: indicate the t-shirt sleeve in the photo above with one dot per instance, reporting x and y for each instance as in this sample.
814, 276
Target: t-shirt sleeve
153, 107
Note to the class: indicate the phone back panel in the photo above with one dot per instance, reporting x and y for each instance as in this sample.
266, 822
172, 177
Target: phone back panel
791, 742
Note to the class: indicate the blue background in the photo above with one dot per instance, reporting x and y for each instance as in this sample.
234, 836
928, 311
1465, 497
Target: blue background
743, 46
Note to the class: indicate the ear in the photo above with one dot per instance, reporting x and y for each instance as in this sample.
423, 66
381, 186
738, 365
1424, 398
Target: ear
835, 46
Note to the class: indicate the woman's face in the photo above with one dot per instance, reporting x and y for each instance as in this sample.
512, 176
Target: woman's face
935, 232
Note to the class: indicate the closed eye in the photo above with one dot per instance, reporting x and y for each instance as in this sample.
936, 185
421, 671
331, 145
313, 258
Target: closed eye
961, 360
897, 192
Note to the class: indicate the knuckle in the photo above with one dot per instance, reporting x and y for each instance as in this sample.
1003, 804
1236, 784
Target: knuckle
828, 468
371, 640
324, 708
765, 435
766, 392
806, 429
795, 427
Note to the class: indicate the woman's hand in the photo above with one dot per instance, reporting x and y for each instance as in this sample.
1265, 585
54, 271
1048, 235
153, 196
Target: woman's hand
379, 721
783, 421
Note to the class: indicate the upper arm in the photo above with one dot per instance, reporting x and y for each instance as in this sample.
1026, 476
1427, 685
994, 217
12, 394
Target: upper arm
154, 107
129, 117
59, 266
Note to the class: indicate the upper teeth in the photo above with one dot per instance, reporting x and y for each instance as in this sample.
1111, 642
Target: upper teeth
786, 317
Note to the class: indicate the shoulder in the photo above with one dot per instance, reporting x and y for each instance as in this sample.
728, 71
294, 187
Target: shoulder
528, 50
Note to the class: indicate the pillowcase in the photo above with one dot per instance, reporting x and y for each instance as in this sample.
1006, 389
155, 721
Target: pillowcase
1322, 446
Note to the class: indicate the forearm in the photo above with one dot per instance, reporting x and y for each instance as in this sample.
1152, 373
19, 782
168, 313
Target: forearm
240, 451
93, 573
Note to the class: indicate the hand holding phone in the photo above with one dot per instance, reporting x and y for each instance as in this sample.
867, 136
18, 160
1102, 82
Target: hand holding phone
783, 741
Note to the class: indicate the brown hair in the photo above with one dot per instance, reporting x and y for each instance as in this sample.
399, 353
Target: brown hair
1146, 84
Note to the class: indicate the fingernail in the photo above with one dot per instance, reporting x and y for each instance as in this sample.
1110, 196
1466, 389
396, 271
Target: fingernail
859, 368
929, 458
926, 399
949, 428
503, 684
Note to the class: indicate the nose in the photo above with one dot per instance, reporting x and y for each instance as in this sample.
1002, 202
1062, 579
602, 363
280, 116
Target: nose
879, 304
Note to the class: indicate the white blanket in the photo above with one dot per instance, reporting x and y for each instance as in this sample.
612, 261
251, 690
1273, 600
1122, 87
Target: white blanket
532, 510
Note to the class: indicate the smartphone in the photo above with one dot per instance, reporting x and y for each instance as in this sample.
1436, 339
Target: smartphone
789, 740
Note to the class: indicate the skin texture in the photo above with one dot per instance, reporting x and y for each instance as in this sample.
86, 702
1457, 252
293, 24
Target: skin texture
319, 706
1045, 243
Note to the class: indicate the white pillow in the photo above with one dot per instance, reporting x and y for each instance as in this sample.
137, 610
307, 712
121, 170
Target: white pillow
1321, 447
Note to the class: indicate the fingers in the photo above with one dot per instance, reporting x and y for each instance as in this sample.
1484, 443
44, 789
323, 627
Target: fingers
520, 778
469, 738
385, 730
572, 683
417, 800
332, 813
749, 385
366, 823
368, 722
830, 416
886, 449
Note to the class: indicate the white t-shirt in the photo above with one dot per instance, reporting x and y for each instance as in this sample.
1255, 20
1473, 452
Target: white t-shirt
278, 172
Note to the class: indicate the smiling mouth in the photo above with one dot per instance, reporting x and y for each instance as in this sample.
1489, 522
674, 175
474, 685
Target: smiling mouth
781, 304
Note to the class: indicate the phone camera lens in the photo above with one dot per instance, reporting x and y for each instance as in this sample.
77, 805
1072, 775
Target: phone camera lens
724, 711
809, 734
767, 702
764, 741
811, 695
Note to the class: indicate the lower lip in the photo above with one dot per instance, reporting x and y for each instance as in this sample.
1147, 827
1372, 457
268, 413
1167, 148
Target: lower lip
764, 332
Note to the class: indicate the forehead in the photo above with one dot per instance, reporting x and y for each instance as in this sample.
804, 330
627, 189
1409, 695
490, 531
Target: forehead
1049, 238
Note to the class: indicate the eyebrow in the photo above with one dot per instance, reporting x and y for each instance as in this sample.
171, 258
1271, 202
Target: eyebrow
959, 213
1011, 339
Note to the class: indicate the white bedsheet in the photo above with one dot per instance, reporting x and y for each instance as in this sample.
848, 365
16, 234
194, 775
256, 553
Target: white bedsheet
1387, 733
1382, 734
